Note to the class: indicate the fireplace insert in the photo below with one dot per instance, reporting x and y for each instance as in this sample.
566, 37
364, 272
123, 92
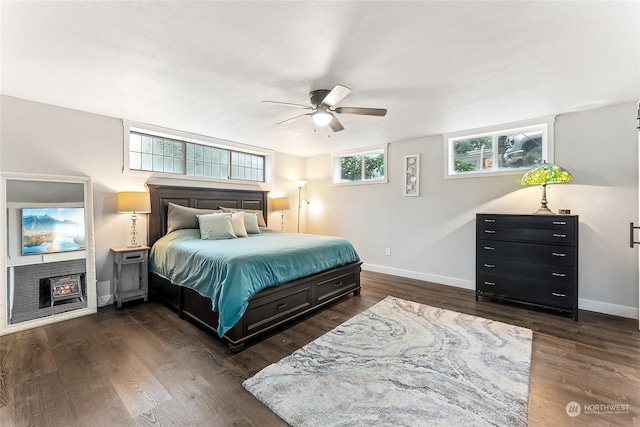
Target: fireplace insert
66, 287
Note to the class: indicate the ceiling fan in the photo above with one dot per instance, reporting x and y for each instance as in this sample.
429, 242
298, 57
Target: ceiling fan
323, 104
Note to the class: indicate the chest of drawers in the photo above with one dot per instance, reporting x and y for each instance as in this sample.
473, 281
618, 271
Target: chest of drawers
528, 259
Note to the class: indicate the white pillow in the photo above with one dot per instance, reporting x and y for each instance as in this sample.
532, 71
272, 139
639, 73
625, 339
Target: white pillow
251, 223
237, 222
216, 226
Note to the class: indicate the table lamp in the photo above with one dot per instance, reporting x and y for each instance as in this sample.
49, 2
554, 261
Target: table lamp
544, 174
281, 204
134, 202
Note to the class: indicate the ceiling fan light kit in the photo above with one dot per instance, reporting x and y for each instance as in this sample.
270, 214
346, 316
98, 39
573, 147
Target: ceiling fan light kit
322, 117
323, 102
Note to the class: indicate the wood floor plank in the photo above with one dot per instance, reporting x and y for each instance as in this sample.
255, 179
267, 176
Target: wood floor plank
6, 380
43, 401
142, 365
32, 357
137, 387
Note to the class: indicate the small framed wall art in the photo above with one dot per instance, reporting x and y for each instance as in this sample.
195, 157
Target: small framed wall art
412, 175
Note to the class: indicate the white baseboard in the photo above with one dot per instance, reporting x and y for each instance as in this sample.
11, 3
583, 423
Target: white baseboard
606, 308
583, 304
443, 280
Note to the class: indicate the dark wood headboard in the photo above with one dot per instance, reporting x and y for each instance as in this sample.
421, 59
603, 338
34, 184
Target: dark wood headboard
198, 197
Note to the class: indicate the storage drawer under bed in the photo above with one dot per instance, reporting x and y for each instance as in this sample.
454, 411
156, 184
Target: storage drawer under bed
335, 287
266, 311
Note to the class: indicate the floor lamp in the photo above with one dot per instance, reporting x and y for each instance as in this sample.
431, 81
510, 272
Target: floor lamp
300, 183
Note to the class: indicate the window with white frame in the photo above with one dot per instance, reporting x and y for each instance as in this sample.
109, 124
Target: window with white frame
361, 166
499, 150
193, 156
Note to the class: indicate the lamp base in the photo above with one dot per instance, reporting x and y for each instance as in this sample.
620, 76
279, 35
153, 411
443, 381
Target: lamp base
544, 211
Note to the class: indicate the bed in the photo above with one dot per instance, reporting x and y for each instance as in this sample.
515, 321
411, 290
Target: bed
285, 297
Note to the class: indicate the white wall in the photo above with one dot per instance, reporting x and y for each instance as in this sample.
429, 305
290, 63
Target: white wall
432, 237
40, 138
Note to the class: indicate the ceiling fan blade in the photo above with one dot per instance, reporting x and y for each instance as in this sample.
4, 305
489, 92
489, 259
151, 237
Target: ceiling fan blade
293, 118
380, 112
289, 104
335, 124
336, 95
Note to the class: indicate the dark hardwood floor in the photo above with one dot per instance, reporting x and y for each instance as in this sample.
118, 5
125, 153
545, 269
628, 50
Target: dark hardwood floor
142, 365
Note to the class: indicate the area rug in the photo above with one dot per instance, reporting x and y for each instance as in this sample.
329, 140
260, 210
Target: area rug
401, 363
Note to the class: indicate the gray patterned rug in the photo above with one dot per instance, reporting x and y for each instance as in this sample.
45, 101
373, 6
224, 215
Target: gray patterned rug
401, 363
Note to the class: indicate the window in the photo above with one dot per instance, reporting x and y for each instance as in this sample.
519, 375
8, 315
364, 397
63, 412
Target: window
192, 156
360, 166
501, 150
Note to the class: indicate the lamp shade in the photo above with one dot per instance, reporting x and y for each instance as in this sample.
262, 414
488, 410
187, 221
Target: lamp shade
300, 183
546, 173
134, 201
281, 204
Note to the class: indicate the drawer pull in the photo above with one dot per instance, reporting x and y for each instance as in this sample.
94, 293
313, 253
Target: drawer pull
559, 222
490, 283
490, 248
490, 265
555, 294
335, 285
559, 274
490, 231
558, 254
562, 236
279, 306
490, 220
127, 258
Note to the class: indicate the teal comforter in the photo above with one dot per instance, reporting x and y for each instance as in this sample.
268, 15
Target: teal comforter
230, 272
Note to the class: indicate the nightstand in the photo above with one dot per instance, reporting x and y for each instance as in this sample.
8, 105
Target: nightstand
125, 255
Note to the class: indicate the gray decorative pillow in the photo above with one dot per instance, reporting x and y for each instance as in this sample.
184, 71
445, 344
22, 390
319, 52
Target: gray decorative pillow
261, 222
216, 226
179, 217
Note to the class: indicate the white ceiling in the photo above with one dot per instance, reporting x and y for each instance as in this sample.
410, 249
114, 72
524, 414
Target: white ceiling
205, 67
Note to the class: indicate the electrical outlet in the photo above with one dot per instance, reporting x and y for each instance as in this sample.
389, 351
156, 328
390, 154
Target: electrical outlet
387, 251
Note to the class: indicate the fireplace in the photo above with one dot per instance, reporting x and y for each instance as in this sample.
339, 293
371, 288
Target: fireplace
65, 288
32, 289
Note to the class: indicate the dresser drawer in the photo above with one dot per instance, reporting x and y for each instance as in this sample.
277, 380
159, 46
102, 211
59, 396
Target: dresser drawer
555, 296
531, 272
550, 222
335, 287
542, 254
556, 237
268, 311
